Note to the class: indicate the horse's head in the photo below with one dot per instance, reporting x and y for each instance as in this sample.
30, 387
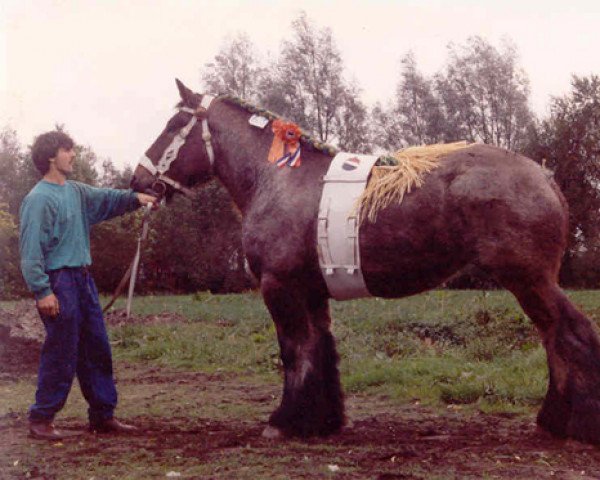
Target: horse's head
182, 155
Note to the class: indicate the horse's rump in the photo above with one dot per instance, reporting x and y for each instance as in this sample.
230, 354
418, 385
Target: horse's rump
389, 184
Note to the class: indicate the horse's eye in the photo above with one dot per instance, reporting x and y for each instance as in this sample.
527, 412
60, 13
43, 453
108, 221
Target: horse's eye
175, 124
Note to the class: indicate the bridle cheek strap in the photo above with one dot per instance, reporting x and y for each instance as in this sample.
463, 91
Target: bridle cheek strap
161, 177
170, 153
206, 136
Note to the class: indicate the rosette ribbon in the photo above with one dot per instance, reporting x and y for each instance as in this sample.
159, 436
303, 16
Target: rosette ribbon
285, 149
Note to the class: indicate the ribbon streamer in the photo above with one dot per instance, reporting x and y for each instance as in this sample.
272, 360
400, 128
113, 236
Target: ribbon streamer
285, 149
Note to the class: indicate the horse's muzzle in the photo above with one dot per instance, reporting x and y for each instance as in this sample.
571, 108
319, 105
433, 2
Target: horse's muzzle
139, 186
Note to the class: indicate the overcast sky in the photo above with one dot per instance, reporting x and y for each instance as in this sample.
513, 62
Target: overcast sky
106, 68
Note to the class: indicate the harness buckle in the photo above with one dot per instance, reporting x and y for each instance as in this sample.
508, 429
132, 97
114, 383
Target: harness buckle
159, 187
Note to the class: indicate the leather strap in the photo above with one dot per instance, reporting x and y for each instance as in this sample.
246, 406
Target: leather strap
170, 154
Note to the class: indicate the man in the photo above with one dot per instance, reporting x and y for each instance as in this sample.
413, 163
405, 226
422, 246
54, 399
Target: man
56, 217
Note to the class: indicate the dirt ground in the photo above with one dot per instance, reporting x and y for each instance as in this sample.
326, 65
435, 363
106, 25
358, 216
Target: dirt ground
209, 426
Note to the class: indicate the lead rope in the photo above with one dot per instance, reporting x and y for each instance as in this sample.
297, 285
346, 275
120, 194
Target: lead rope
131, 273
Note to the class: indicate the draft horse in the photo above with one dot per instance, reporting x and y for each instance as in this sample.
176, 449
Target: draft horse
483, 205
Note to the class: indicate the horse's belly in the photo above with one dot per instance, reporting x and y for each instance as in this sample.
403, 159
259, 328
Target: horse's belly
401, 262
403, 278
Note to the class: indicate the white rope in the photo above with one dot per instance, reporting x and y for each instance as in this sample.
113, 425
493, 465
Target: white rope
136, 259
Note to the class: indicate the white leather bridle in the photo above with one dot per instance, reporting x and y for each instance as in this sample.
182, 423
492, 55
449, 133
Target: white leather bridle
170, 154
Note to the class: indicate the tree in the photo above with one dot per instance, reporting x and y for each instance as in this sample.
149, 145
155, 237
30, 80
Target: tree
11, 283
17, 173
196, 245
569, 143
84, 168
484, 95
387, 133
235, 69
353, 130
306, 85
415, 117
10, 159
419, 112
108, 174
113, 245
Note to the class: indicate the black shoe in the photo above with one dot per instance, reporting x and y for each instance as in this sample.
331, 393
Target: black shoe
112, 426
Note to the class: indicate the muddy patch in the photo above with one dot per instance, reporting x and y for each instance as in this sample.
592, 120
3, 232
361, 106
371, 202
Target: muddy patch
21, 338
379, 447
382, 441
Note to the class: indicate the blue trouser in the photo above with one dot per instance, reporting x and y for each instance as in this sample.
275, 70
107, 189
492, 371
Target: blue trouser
76, 343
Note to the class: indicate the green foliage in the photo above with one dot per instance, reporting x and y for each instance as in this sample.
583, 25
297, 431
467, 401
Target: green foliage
10, 284
306, 84
84, 167
113, 244
196, 245
484, 94
16, 178
481, 96
416, 117
569, 142
235, 69
17, 173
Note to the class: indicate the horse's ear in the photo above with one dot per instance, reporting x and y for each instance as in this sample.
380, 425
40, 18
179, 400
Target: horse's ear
185, 93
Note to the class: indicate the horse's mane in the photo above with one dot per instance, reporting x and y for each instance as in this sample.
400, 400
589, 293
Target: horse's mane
403, 171
263, 112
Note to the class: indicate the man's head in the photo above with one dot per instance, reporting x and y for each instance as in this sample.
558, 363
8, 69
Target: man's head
46, 147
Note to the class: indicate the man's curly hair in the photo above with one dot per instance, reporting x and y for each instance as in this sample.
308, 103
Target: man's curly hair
46, 147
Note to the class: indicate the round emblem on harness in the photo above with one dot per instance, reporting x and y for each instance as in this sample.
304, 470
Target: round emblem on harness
351, 164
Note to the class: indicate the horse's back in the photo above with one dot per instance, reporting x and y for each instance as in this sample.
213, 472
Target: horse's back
482, 205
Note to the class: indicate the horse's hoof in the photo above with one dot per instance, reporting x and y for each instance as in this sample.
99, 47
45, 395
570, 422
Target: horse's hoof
272, 433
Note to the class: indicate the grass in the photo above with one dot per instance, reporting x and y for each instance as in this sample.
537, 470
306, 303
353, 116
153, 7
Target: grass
447, 350
442, 347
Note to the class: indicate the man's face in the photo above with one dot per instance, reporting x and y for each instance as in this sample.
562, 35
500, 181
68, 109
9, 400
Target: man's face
63, 161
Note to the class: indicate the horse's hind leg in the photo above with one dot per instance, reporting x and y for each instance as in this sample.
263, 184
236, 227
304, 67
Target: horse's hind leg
312, 402
572, 405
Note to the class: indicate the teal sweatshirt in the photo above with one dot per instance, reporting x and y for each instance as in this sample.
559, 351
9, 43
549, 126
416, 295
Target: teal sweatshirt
55, 227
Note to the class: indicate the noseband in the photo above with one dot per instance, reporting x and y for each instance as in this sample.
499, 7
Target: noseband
170, 154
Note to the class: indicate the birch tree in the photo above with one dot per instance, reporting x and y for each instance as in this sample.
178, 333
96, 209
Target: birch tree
484, 94
235, 69
306, 84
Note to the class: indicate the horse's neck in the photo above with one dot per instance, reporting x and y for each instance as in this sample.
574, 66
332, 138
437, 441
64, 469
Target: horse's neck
238, 159
242, 164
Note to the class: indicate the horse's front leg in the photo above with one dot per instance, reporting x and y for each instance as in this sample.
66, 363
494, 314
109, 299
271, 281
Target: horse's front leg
312, 402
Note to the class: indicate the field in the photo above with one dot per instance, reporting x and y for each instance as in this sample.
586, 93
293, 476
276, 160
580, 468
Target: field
439, 386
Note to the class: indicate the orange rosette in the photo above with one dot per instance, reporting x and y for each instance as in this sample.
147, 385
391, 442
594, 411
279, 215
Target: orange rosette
286, 139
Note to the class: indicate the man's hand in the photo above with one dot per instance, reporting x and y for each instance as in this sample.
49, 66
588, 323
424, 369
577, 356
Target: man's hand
48, 305
146, 199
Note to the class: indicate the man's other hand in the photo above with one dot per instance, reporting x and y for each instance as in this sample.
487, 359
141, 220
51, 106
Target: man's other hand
48, 305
